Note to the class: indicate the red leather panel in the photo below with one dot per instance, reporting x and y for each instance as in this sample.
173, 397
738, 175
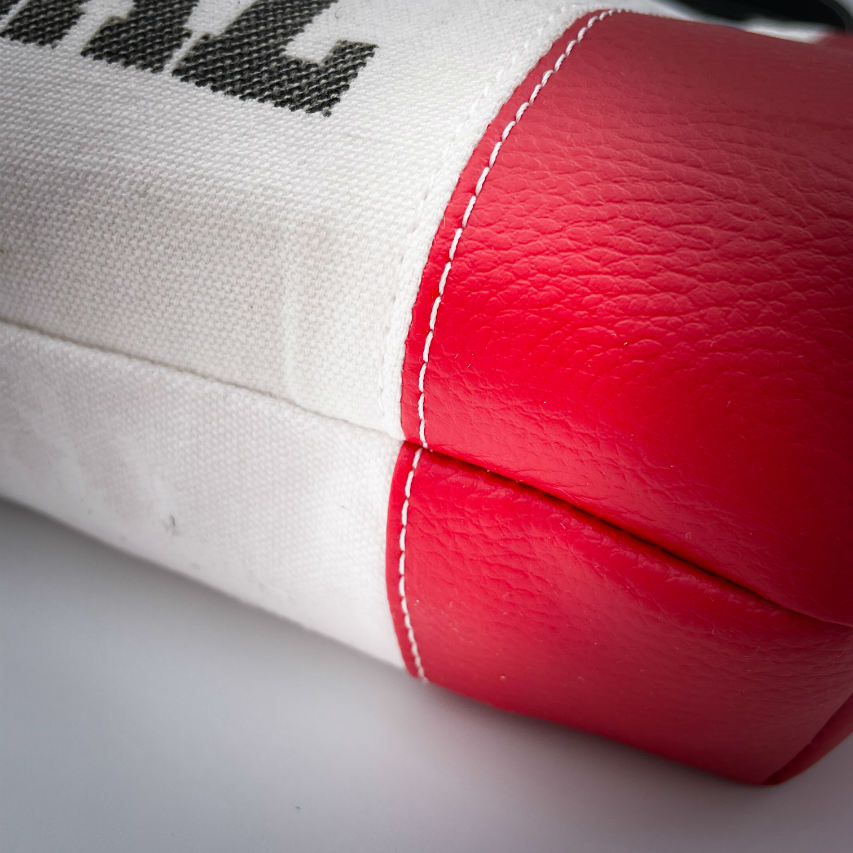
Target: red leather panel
841, 41
520, 600
649, 311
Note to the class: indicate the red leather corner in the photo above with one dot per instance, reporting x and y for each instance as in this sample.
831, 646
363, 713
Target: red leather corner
648, 312
840, 725
520, 600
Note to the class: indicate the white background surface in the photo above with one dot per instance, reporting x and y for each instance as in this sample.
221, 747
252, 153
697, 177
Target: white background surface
141, 712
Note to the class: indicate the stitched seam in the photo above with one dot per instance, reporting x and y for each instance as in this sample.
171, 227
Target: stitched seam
259, 395
184, 372
408, 247
401, 586
473, 201
407, 620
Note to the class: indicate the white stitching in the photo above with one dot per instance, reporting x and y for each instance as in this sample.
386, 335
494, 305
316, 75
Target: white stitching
411, 246
404, 515
450, 255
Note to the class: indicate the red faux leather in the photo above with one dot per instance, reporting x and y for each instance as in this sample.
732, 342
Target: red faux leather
840, 41
518, 599
649, 314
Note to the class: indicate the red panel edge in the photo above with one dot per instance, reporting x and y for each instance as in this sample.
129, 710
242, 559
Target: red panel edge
395, 567
840, 725
608, 637
830, 735
444, 237
822, 593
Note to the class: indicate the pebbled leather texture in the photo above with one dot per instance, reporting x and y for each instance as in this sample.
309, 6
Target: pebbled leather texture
520, 600
649, 313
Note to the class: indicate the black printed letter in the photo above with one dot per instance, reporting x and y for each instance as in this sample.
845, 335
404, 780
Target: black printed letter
44, 21
150, 33
248, 59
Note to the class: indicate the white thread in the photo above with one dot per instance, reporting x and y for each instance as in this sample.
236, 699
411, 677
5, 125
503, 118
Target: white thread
407, 620
468, 211
450, 255
429, 191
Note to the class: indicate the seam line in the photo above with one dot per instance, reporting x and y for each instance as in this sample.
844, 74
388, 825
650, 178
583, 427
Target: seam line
186, 372
409, 248
473, 201
466, 216
401, 586
19, 328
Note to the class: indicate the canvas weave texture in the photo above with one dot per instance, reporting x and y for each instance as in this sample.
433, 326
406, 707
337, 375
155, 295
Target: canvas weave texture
247, 191
273, 505
214, 217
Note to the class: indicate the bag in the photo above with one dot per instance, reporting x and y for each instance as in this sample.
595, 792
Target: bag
509, 343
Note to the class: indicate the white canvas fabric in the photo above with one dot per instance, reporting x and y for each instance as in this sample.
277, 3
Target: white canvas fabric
206, 283
186, 277
274, 505
271, 248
